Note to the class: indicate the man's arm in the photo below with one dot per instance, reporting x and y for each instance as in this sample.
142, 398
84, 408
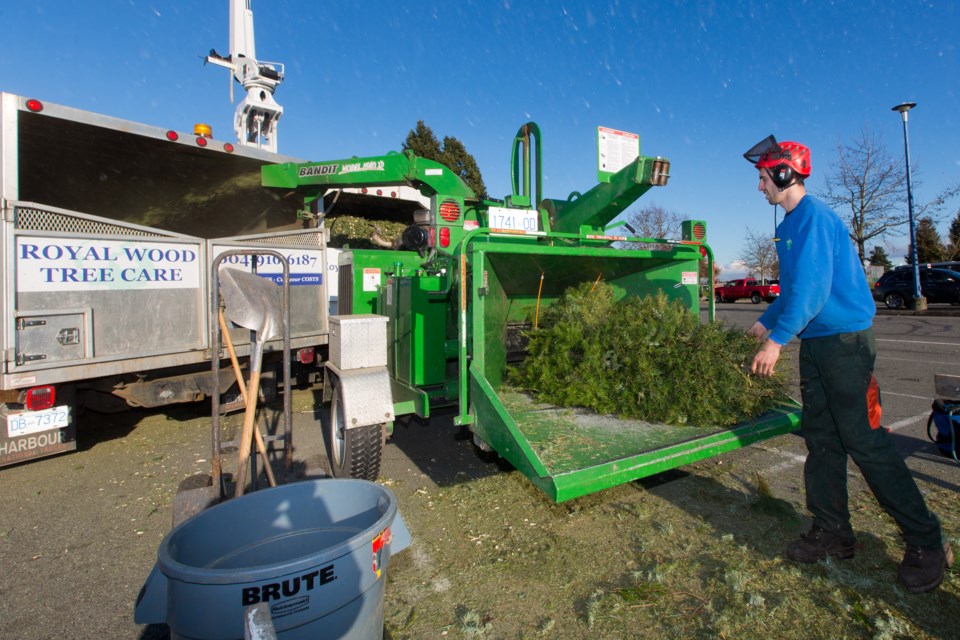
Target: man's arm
758, 330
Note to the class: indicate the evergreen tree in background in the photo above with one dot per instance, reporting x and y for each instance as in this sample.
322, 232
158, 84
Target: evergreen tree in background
879, 258
929, 245
953, 240
452, 154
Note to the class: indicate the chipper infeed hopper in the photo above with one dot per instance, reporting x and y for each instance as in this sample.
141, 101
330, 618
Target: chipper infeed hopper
469, 279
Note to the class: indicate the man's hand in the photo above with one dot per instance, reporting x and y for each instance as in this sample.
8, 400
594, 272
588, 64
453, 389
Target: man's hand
765, 361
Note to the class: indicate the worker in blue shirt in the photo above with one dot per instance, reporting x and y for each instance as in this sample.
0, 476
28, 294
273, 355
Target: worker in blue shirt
825, 301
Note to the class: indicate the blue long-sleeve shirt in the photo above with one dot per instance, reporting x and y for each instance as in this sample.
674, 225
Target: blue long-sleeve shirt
823, 288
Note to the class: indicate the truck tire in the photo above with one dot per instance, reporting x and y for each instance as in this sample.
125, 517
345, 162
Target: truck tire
755, 297
719, 298
356, 452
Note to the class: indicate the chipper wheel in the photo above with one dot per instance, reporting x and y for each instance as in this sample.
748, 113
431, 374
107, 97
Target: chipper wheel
356, 452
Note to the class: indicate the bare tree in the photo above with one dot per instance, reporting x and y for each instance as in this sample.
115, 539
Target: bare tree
868, 189
703, 270
653, 221
759, 254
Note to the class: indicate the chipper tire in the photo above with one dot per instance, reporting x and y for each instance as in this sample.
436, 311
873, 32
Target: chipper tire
356, 452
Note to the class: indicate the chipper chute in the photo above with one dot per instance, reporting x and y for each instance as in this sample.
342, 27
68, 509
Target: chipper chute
569, 452
463, 289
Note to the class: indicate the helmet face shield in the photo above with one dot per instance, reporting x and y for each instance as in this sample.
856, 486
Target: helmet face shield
764, 150
770, 154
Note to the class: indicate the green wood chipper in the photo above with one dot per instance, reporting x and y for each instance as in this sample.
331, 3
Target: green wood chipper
460, 288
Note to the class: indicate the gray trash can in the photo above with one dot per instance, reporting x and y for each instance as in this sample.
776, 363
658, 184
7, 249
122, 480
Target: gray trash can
316, 552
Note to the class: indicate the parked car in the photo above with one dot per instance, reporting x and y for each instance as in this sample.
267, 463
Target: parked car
895, 287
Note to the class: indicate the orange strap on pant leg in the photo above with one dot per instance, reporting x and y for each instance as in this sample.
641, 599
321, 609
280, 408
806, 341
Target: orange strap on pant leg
874, 408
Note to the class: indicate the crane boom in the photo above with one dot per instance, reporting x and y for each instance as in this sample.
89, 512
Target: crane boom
255, 122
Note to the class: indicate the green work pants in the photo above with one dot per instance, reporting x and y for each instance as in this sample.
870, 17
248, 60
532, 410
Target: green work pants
835, 380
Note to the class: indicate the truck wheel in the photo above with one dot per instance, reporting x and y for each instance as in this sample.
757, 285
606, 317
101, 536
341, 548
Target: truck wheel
755, 298
719, 298
893, 300
356, 452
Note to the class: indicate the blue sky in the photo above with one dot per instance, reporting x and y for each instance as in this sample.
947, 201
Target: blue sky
700, 82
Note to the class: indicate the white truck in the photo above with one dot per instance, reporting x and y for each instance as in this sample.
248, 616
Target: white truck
109, 229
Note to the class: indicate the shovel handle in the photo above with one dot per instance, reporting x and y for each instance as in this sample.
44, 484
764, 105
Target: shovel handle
233, 357
246, 434
261, 447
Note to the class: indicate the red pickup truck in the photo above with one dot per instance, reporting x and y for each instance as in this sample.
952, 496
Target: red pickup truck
746, 288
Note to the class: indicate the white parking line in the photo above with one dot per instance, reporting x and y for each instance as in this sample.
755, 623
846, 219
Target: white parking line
948, 344
795, 459
905, 395
906, 422
952, 363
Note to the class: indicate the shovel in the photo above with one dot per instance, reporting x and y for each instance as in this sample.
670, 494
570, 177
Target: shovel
251, 302
261, 446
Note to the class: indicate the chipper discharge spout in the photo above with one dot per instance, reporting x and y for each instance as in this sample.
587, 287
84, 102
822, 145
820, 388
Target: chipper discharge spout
472, 276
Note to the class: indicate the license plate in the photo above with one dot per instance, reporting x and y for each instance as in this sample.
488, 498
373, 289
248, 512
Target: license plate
27, 422
513, 219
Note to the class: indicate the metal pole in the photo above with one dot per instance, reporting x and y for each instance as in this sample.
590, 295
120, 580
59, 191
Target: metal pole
903, 109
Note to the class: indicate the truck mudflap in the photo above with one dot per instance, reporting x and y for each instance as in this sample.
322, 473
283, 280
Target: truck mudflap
569, 453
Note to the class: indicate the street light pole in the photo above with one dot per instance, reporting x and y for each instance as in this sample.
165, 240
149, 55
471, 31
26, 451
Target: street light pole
919, 302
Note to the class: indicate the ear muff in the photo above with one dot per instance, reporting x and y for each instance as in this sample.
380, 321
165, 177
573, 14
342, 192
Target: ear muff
782, 176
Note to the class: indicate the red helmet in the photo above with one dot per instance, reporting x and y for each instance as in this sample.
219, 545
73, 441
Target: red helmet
769, 154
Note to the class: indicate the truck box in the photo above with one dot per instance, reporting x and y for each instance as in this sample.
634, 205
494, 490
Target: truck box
109, 229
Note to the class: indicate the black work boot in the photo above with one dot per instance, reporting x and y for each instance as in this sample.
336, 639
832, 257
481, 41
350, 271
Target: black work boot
818, 544
922, 568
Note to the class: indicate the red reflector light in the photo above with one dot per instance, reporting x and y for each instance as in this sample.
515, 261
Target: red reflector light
393, 194
305, 356
379, 192
172, 136
444, 236
433, 237
228, 147
201, 141
363, 190
40, 398
35, 105
450, 210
